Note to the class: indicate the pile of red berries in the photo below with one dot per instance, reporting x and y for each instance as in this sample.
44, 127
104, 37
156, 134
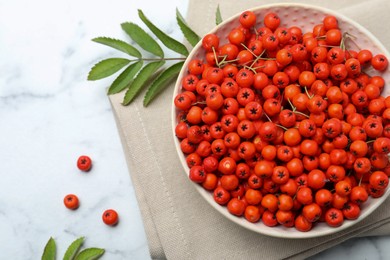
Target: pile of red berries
284, 126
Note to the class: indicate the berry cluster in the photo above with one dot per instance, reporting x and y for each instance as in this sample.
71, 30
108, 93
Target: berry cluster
286, 126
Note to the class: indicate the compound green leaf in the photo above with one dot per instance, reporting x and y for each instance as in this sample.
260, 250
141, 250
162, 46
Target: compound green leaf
161, 82
140, 80
125, 78
190, 35
49, 253
142, 38
168, 41
106, 68
119, 45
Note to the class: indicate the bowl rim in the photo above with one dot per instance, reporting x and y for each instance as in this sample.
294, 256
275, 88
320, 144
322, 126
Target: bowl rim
272, 231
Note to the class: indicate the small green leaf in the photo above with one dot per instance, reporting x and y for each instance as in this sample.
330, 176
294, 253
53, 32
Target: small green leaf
140, 80
124, 79
162, 81
190, 35
90, 254
49, 253
106, 68
218, 17
119, 45
142, 39
73, 249
165, 39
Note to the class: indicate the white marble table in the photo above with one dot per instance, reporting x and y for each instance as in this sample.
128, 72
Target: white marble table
50, 114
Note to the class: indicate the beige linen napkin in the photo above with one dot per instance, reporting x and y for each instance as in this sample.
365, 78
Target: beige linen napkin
179, 224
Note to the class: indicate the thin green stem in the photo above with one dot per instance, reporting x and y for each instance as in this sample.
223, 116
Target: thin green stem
257, 58
269, 119
243, 45
215, 56
300, 113
280, 126
308, 94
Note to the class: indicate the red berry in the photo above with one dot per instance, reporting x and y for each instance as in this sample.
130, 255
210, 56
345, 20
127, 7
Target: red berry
84, 163
110, 217
71, 201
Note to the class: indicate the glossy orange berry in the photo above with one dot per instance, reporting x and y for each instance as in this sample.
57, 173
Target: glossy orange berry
110, 217
71, 201
84, 163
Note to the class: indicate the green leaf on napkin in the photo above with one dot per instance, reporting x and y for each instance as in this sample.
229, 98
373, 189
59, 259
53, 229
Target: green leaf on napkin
142, 39
125, 78
140, 80
73, 249
218, 17
161, 82
49, 253
190, 35
90, 254
168, 41
106, 68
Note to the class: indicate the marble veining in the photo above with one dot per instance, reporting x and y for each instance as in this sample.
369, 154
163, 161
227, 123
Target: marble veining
50, 114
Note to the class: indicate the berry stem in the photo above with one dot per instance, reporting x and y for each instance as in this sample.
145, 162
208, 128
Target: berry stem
300, 113
284, 128
308, 94
269, 119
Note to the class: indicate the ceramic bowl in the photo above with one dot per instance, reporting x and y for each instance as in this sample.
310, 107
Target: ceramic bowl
305, 17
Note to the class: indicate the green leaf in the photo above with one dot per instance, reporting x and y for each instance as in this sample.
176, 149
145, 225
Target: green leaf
218, 17
124, 79
106, 68
119, 45
161, 82
73, 249
190, 35
140, 80
49, 253
142, 39
90, 254
165, 39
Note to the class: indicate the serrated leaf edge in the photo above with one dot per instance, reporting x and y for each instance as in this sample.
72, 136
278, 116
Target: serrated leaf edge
73, 251
50, 250
155, 87
97, 255
154, 48
115, 43
188, 33
168, 41
113, 71
134, 69
140, 81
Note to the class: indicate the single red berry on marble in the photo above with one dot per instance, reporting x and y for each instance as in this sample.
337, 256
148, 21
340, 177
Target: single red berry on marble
71, 201
110, 217
84, 163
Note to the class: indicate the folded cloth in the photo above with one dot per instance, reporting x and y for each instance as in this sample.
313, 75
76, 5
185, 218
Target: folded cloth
179, 223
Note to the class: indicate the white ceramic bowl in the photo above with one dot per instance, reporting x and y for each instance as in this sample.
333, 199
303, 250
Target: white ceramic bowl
305, 17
